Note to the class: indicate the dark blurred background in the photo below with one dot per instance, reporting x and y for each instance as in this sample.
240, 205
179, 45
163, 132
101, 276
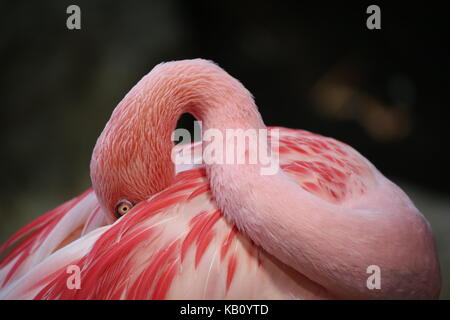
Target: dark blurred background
316, 67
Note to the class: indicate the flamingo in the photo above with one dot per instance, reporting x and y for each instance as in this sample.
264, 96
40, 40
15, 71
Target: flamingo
150, 229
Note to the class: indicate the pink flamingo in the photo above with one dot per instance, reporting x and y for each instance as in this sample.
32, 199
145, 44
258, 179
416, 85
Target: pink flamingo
216, 231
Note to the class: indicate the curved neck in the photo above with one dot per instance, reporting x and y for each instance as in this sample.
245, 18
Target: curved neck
198, 87
137, 140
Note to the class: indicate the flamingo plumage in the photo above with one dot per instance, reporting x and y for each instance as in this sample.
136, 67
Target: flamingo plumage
221, 231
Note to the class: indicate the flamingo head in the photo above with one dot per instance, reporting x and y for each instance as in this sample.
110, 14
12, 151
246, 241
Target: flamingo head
131, 159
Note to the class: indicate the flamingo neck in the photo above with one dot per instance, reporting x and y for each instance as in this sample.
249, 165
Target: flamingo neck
132, 156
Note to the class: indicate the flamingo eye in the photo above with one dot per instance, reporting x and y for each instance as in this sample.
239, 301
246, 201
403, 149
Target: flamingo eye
122, 207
